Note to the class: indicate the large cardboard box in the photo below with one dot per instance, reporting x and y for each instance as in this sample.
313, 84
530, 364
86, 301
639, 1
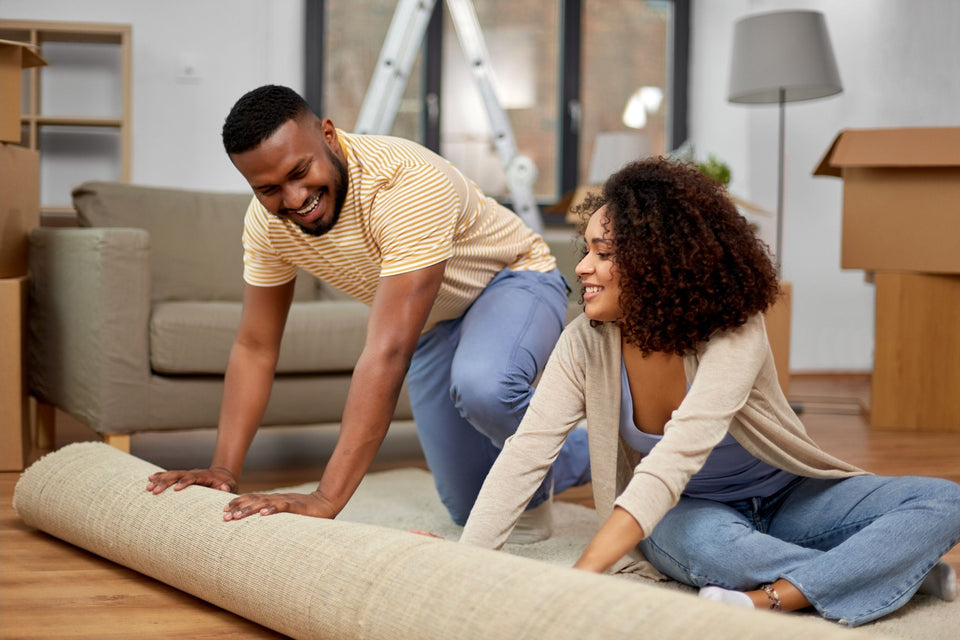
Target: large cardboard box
901, 222
778, 319
14, 58
19, 206
14, 403
901, 198
916, 370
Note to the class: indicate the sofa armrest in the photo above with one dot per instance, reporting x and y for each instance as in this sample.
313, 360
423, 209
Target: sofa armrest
88, 327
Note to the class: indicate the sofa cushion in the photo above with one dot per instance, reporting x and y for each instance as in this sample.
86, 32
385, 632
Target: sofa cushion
196, 251
195, 236
194, 338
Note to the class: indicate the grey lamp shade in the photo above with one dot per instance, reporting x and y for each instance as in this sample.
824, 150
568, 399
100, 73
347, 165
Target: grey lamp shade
612, 150
787, 50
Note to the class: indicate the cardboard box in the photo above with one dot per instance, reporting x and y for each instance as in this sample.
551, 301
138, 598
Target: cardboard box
14, 58
14, 402
916, 371
901, 198
777, 318
19, 206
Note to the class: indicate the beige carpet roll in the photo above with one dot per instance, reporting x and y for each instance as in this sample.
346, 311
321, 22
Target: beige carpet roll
311, 578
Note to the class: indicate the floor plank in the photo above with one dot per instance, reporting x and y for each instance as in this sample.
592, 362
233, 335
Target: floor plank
49, 589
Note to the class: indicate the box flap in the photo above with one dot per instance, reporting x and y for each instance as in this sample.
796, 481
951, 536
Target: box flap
906, 147
748, 206
29, 57
825, 168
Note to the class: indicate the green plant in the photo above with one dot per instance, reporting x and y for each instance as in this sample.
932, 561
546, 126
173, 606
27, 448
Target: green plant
716, 169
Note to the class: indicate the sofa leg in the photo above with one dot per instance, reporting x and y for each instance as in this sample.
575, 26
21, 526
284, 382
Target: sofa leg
118, 441
46, 433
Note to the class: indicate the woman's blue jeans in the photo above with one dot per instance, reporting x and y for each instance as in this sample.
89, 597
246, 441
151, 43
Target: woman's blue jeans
471, 379
857, 548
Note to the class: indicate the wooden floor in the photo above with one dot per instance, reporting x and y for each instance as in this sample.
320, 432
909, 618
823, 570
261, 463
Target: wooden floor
49, 589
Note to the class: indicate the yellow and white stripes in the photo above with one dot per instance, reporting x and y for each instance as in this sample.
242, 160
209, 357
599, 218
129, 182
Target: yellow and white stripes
406, 208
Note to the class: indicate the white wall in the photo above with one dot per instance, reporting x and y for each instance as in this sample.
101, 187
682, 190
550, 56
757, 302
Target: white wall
899, 61
232, 46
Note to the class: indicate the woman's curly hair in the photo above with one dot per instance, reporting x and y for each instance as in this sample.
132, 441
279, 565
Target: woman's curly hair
689, 263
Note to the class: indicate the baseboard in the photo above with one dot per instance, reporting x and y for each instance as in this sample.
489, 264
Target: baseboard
827, 373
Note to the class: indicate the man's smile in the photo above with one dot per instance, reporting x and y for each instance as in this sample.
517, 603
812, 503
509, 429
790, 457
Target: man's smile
310, 206
307, 215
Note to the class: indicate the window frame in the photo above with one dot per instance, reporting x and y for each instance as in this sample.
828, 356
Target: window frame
569, 74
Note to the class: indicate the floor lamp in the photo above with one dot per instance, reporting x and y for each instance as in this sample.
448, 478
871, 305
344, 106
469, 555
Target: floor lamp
782, 57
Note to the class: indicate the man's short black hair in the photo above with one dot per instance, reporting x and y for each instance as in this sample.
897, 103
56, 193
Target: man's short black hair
257, 114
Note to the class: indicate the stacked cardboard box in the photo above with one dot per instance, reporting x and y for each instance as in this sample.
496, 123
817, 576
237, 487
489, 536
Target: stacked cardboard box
901, 224
19, 213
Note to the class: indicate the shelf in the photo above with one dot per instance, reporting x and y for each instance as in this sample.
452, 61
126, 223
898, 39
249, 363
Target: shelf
71, 121
47, 31
51, 216
60, 211
77, 109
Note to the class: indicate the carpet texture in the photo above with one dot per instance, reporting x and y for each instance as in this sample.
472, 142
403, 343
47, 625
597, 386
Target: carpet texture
364, 575
405, 499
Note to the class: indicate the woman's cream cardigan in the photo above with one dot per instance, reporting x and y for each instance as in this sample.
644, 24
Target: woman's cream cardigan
733, 387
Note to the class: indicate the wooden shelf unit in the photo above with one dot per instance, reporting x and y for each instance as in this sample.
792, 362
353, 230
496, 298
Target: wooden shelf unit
33, 118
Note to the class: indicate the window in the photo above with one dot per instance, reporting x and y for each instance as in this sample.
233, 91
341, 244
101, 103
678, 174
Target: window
522, 42
623, 88
578, 79
354, 33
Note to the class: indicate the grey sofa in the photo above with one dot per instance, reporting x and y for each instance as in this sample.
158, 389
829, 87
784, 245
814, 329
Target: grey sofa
132, 316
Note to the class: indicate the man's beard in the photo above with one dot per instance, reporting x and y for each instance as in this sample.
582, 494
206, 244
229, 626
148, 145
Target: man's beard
339, 197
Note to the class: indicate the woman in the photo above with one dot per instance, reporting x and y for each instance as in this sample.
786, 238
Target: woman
701, 470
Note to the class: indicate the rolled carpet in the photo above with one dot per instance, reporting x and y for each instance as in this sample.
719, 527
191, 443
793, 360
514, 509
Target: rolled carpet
312, 578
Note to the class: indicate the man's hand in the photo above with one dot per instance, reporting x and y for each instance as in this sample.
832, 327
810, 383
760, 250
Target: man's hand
215, 478
309, 504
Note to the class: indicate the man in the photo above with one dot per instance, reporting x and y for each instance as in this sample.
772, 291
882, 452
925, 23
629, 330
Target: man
465, 301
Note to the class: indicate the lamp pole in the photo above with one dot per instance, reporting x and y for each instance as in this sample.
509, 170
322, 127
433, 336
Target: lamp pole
780, 146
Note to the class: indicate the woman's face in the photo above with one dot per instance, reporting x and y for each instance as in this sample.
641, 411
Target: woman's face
598, 272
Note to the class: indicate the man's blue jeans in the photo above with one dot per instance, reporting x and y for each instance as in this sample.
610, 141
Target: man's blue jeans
471, 379
857, 548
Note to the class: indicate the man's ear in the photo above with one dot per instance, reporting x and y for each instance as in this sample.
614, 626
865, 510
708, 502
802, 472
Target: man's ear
329, 134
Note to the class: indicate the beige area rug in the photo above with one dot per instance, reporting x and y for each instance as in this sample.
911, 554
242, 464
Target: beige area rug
310, 579
406, 499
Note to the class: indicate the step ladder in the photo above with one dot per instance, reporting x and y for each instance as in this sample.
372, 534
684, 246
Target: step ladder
382, 99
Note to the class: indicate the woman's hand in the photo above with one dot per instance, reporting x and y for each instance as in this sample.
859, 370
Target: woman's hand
618, 535
265, 504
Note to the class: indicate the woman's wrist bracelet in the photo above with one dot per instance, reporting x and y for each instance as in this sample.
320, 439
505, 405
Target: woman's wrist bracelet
774, 597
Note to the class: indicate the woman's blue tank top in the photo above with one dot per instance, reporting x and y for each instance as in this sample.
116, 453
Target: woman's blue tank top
730, 472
